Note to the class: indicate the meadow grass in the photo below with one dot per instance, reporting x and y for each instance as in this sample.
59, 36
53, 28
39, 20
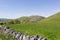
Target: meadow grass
50, 30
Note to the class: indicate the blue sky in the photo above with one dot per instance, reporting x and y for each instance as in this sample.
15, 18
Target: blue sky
17, 8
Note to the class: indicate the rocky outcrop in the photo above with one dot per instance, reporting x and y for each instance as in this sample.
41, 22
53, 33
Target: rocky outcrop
18, 35
35, 18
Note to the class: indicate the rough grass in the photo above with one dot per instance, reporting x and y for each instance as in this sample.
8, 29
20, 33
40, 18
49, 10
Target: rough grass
5, 37
50, 30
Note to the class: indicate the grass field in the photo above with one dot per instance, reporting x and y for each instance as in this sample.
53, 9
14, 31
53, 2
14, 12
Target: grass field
49, 28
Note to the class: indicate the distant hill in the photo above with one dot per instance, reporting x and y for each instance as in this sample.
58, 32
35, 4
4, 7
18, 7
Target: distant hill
35, 18
31, 18
26, 19
3, 20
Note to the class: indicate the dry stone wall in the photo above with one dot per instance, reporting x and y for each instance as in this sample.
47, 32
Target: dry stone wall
18, 35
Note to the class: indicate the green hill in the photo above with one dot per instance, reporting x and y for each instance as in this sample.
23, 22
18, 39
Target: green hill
4, 20
49, 27
55, 17
26, 19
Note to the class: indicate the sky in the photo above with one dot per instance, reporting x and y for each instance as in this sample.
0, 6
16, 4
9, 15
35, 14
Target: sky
16, 8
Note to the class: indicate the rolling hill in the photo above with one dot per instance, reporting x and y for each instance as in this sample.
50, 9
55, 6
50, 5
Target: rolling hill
48, 27
30, 18
26, 19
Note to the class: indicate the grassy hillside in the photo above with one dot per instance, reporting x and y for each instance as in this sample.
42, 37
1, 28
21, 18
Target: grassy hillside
49, 27
26, 19
55, 17
30, 18
23, 19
